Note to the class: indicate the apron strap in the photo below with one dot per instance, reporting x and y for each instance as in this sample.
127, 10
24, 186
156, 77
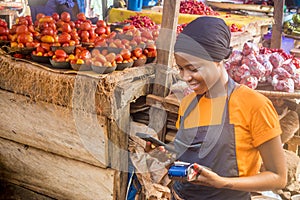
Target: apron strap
214, 132
189, 109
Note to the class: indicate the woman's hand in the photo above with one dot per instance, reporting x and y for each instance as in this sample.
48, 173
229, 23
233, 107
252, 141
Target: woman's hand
201, 175
159, 152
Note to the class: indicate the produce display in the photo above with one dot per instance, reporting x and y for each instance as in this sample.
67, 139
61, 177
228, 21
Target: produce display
252, 66
292, 27
3, 30
81, 45
61, 43
196, 8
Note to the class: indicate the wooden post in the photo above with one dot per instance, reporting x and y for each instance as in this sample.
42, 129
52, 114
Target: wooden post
277, 26
165, 45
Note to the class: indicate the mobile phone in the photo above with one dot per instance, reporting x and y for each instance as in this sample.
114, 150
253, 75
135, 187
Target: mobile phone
155, 141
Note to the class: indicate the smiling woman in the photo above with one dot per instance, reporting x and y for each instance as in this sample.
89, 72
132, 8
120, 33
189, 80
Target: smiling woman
227, 122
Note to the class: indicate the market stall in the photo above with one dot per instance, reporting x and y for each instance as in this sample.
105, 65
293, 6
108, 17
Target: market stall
64, 128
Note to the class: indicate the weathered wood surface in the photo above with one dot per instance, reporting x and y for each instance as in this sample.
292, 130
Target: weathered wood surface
277, 26
163, 79
169, 103
55, 129
55, 176
239, 38
90, 92
78, 115
232, 6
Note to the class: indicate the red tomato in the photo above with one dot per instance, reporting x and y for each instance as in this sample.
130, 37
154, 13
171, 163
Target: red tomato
72, 24
48, 31
110, 57
3, 23
101, 23
84, 35
55, 16
24, 38
65, 16
85, 26
66, 28
59, 53
85, 54
3, 31
81, 16
100, 30
137, 52
39, 16
64, 38
17, 55
45, 46
40, 49
125, 53
21, 29
119, 58
3, 37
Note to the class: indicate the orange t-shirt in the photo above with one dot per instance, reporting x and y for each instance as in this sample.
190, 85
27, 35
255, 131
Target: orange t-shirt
253, 115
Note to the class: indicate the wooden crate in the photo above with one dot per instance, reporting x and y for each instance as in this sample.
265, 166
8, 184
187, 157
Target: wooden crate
55, 123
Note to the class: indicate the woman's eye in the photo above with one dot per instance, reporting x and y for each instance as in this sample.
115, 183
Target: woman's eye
180, 68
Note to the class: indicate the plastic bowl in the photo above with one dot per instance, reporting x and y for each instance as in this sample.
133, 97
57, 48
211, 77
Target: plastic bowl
22, 50
81, 67
87, 44
150, 59
103, 69
41, 59
114, 50
118, 26
139, 62
60, 65
123, 36
121, 66
67, 49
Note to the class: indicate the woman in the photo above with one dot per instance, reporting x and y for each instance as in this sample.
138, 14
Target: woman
222, 125
60, 6
36, 6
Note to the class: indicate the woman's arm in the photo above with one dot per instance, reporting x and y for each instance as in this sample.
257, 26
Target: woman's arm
274, 177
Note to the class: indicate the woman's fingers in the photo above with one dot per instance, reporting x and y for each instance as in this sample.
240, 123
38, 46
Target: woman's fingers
148, 147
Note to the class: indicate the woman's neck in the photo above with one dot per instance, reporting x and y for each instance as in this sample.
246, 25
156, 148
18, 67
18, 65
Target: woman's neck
219, 88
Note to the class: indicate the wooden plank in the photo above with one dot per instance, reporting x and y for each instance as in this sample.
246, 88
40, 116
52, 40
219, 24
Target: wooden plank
118, 148
165, 45
277, 26
168, 104
239, 38
233, 6
52, 175
167, 35
55, 129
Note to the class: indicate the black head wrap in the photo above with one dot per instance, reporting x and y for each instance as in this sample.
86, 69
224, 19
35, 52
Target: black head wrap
205, 37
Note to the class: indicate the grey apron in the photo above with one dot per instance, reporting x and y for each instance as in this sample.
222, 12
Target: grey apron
210, 146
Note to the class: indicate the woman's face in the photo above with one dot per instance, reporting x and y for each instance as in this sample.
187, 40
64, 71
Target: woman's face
199, 74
